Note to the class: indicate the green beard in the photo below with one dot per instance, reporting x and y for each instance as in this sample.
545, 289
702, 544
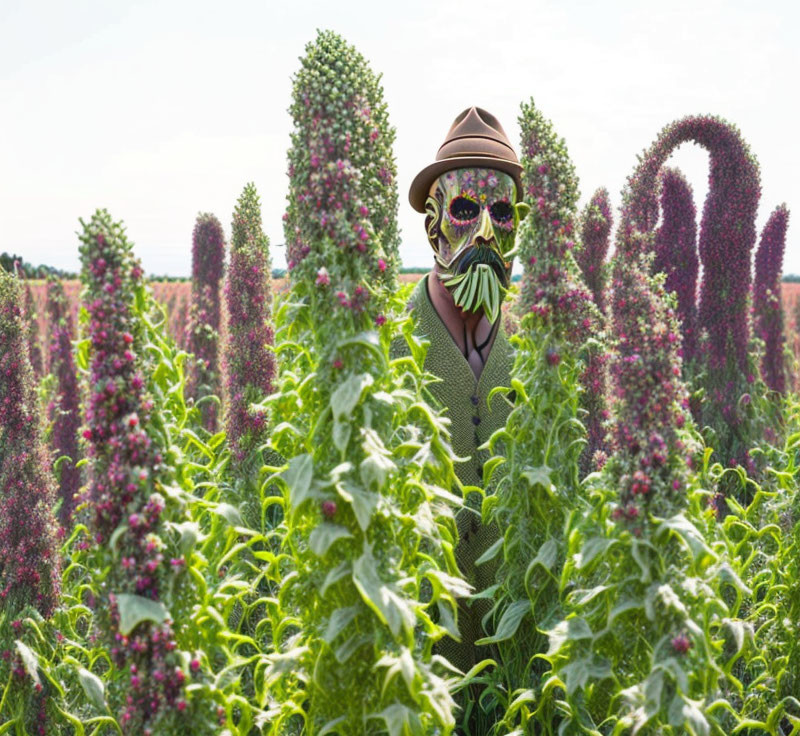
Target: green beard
478, 287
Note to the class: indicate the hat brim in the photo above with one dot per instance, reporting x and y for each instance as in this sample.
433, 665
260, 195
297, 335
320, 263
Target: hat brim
421, 185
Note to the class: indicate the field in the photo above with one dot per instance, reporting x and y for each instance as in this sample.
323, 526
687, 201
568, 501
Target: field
296, 509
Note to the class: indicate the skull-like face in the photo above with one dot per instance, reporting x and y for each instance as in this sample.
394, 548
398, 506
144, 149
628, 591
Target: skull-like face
471, 220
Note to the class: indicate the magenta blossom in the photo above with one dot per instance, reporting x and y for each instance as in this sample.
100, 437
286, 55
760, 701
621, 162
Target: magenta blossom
208, 264
767, 307
65, 410
29, 562
249, 363
596, 223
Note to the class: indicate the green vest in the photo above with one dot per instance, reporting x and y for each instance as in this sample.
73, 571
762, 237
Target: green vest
463, 396
464, 399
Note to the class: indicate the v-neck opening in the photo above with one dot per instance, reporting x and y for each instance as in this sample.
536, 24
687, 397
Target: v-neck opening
495, 327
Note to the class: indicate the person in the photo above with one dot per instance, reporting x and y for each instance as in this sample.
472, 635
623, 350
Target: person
471, 197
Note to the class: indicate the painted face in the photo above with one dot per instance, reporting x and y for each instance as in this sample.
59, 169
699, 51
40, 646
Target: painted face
471, 221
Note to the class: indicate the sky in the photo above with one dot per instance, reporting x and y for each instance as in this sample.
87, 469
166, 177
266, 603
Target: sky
157, 111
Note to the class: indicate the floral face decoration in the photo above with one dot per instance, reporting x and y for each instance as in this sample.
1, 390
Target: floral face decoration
471, 221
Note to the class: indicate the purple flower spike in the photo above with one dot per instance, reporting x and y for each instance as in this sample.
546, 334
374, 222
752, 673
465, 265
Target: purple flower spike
676, 252
65, 414
551, 287
29, 562
596, 223
249, 362
767, 307
32, 321
202, 331
342, 207
125, 471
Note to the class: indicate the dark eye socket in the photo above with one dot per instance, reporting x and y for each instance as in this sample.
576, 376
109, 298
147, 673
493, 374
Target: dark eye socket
464, 209
501, 212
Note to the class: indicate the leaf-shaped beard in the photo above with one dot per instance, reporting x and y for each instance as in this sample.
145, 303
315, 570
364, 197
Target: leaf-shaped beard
480, 281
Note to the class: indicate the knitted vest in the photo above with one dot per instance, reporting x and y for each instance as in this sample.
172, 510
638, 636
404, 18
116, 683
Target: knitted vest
464, 399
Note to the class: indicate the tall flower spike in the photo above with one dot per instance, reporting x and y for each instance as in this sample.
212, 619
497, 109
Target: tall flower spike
595, 231
352, 562
124, 470
208, 263
551, 283
65, 414
767, 306
32, 331
342, 211
676, 252
249, 361
29, 564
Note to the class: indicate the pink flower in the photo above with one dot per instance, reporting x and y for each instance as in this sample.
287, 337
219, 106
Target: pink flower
681, 644
323, 278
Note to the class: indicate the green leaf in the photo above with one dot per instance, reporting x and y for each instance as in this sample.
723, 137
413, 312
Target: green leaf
324, 535
229, 513
133, 609
402, 665
298, 477
190, 536
339, 621
582, 596
374, 469
685, 712
509, 622
29, 661
578, 672
348, 648
341, 434
572, 629
115, 535
689, 533
346, 397
387, 604
728, 575
538, 476
653, 686
334, 575
93, 687
400, 720
330, 726
363, 502
546, 556
490, 553
594, 546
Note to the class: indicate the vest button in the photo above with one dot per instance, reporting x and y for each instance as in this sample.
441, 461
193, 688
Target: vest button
476, 421
474, 400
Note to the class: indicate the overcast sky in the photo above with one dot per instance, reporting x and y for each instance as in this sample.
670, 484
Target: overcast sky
160, 110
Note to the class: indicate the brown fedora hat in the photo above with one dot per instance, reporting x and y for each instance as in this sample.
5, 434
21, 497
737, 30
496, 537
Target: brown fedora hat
476, 138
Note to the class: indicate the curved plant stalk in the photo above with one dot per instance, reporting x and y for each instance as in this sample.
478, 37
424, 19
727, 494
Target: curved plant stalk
676, 254
727, 237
